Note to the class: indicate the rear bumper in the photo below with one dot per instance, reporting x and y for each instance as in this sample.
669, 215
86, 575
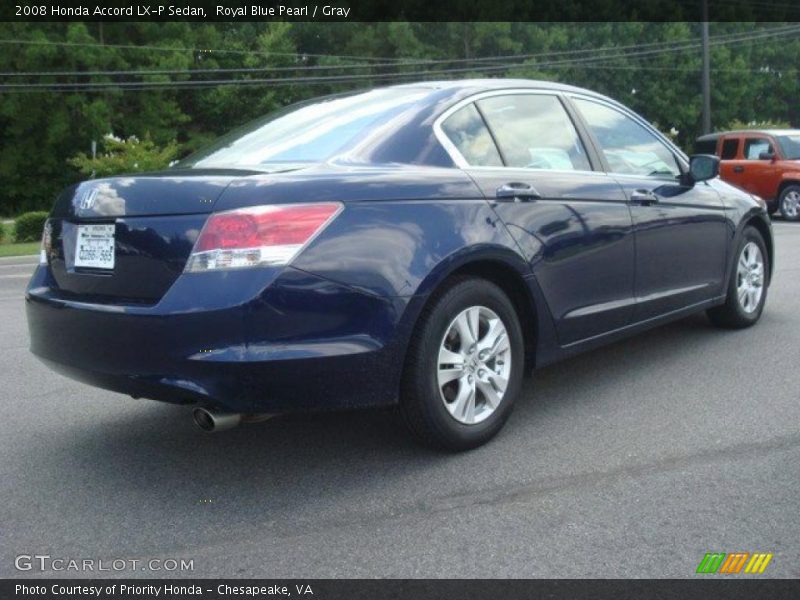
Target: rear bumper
286, 341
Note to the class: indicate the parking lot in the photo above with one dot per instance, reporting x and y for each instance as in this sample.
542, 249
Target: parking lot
633, 460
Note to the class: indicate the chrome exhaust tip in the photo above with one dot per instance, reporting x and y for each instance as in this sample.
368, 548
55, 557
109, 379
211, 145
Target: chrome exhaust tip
211, 420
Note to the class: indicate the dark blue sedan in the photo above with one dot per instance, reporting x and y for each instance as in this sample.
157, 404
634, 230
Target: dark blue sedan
423, 245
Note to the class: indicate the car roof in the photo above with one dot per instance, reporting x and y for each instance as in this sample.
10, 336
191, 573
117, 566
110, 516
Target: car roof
463, 87
715, 136
493, 84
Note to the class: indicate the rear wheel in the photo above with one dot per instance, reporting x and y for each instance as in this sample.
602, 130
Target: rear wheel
789, 202
747, 289
464, 366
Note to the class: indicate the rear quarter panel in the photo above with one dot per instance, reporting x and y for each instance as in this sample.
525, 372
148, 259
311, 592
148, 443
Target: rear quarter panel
400, 224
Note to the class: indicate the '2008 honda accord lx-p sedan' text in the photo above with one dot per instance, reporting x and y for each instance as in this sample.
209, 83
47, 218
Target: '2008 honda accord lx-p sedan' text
422, 245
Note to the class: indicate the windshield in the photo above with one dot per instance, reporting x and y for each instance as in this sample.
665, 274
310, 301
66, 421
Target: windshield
790, 146
304, 133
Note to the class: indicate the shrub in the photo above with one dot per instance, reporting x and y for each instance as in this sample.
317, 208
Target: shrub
129, 155
29, 226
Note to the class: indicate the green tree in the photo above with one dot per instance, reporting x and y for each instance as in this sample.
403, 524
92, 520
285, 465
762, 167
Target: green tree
40, 129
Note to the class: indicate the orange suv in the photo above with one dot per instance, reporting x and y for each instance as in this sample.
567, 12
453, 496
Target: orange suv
763, 162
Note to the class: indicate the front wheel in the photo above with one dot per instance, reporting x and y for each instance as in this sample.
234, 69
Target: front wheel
789, 202
464, 366
772, 207
747, 288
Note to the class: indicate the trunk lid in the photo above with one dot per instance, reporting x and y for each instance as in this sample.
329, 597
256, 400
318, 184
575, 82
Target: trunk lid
156, 219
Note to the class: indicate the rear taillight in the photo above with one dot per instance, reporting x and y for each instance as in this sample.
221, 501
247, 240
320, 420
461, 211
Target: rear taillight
259, 235
47, 243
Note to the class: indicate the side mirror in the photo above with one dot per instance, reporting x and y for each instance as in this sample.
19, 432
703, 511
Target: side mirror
766, 156
703, 167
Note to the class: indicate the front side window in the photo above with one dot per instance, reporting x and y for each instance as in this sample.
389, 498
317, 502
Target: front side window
534, 131
628, 147
754, 147
730, 148
467, 131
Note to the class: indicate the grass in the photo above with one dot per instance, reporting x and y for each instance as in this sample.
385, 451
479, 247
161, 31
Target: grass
23, 249
9, 248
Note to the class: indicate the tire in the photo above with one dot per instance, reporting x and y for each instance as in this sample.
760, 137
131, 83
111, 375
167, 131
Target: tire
789, 202
772, 207
438, 414
744, 303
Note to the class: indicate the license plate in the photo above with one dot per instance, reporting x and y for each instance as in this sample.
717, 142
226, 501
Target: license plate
95, 247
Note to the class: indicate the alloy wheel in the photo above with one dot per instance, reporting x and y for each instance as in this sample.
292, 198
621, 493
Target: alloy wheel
790, 205
474, 365
750, 277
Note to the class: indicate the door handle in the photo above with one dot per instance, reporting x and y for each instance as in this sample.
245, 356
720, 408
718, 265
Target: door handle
517, 192
738, 169
644, 197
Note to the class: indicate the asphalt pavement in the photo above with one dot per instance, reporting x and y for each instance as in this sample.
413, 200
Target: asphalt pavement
630, 461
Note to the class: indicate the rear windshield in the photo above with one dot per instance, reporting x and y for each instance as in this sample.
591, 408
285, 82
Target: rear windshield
304, 133
790, 146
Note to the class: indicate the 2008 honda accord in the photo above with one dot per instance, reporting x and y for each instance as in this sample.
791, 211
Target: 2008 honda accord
422, 245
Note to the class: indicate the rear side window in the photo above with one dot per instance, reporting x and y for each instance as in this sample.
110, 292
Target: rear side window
753, 147
534, 131
466, 129
628, 147
730, 149
790, 146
